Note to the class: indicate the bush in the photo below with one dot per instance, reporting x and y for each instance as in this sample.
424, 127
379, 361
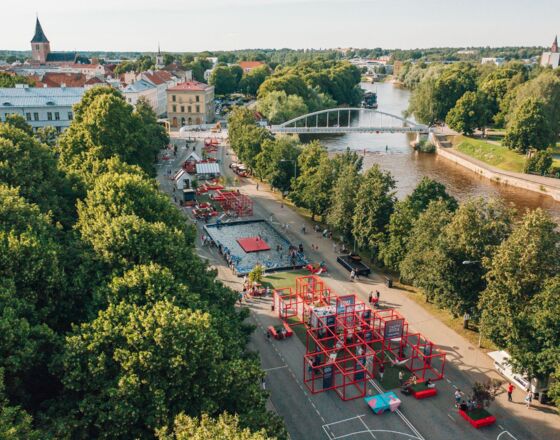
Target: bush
256, 275
484, 393
540, 163
426, 147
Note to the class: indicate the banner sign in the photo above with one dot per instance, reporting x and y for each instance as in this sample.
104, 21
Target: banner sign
394, 328
343, 301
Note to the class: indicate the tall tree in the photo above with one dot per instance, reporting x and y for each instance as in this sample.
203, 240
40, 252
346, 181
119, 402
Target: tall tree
470, 112
340, 213
375, 202
516, 273
529, 127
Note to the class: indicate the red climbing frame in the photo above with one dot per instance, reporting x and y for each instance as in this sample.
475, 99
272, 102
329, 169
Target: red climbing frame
235, 202
347, 341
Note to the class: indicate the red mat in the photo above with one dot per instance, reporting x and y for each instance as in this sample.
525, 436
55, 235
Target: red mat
253, 244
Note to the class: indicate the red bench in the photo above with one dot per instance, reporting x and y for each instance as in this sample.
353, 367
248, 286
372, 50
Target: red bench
478, 423
277, 335
423, 394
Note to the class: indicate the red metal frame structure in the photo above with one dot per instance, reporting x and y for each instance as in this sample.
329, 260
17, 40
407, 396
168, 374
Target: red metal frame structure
236, 202
347, 341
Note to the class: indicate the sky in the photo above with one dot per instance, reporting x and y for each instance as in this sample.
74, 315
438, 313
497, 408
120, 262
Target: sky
196, 25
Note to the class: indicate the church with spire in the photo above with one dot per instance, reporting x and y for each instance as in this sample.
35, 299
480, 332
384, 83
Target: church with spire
41, 50
551, 58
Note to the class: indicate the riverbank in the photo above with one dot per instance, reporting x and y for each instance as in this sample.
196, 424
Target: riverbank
539, 184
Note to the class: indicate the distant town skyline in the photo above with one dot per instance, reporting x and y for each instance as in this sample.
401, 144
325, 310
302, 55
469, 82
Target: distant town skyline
192, 26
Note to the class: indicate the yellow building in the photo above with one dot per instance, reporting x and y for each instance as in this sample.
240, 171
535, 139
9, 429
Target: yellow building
190, 103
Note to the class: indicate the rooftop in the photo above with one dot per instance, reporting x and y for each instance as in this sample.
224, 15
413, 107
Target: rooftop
250, 64
138, 86
190, 85
40, 97
39, 36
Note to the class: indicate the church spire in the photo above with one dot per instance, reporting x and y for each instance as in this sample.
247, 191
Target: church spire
39, 36
554, 48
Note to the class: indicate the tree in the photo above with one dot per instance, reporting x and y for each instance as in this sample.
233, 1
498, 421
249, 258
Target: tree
18, 121
405, 215
422, 247
277, 162
470, 112
340, 214
224, 80
375, 202
516, 273
47, 135
529, 127
252, 80
15, 423
540, 162
279, 107
7, 80
226, 427
32, 166
456, 277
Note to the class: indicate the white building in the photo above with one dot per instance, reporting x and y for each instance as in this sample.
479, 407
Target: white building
41, 107
551, 58
144, 89
161, 80
492, 60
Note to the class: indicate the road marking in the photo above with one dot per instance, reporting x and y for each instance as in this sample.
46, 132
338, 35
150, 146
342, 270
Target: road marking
367, 427
401, 415
345, 420
373, 430
506, 432
275, 368
501, 427
327, 432
450, 416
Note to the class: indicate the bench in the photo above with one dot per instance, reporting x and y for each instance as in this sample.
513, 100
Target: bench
478, 423
275, 331
421, 391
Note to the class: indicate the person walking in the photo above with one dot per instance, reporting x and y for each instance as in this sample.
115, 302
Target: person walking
401, 378
381, 372
370, 297
352, 275
377, 295
458, 395
528, 399
257, 186
510, 389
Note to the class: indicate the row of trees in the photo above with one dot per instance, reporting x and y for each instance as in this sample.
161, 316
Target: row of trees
230, 79
478, 257
469, 97
112, 326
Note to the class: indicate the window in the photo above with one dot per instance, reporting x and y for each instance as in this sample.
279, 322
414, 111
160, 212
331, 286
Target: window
190, 109
182, 109
198, 109
35, 116
70, 116
58, 129
174, 109
56, 116
197, 98
49, 116
173, 98
28, 116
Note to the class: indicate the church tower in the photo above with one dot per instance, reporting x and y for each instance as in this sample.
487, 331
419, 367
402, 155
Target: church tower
159, 59
40, 46
554, 48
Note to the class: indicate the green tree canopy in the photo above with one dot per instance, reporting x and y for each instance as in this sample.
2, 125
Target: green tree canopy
344, 198
279, 107
375, 202
470, 112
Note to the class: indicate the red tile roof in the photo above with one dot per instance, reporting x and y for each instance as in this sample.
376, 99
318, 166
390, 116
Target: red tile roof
250, 64
190, 85
56, 79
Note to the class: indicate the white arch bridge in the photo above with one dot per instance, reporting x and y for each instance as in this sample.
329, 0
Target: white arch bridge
350, 120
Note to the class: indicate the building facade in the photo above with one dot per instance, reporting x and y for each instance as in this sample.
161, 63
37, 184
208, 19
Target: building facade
190, 103
41, 107
551, 58
141, 89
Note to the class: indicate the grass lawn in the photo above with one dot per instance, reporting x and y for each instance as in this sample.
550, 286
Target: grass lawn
277, 280
391, 376
492, 154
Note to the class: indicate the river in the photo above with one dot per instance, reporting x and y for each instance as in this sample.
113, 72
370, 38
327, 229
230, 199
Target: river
393, 153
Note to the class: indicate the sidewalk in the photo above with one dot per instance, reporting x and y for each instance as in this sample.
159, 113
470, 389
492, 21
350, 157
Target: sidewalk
472, 362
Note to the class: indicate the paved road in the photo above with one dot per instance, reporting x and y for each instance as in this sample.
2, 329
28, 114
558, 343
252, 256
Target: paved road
324, 415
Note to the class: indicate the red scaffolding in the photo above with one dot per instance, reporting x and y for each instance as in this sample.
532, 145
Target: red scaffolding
235, 202
347, 341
